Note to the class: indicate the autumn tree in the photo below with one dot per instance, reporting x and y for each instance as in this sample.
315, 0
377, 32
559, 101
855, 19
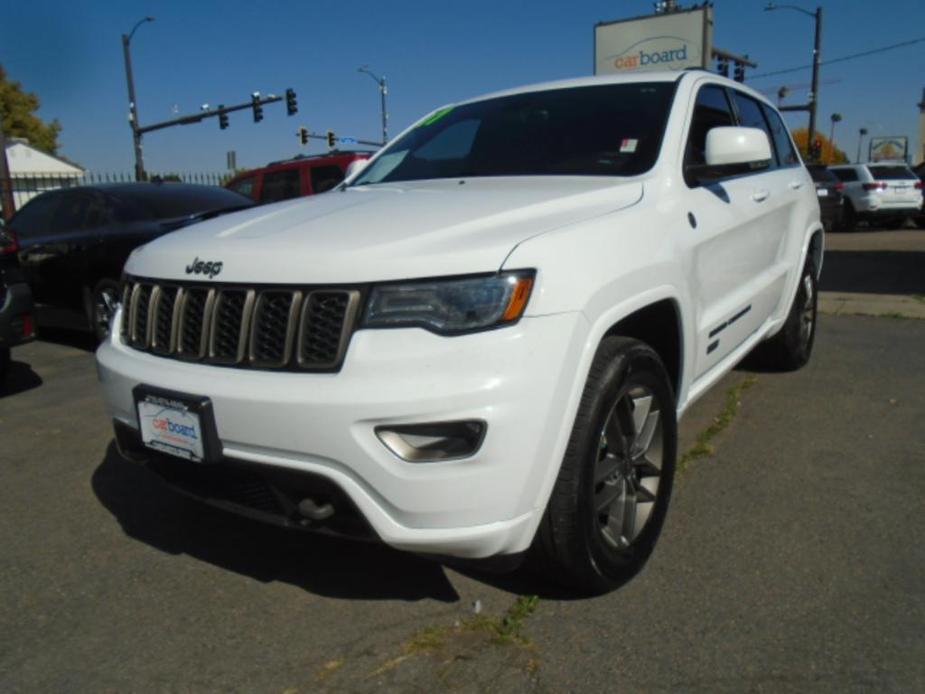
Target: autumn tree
829, 155
17, 114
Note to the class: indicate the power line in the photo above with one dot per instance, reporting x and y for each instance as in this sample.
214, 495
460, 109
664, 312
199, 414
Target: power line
842, 59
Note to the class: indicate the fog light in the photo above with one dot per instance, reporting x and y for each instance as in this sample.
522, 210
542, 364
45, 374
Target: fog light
432, 442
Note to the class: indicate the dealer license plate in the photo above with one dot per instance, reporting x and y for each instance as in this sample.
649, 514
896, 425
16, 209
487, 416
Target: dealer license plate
170, 425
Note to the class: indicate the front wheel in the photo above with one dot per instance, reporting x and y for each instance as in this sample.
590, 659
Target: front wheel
4, 362
103, 303
611, 495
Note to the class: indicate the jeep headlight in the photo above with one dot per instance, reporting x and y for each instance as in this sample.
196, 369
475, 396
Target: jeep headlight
451, 306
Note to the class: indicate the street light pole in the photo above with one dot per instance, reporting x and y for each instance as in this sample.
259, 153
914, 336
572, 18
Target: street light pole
132, 104
383, 91
861, 133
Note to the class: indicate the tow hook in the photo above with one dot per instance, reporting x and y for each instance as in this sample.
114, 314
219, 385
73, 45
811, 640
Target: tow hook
310, 509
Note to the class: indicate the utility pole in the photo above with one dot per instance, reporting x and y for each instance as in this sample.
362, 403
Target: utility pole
813, 101
7, 205
132, 104
814, 94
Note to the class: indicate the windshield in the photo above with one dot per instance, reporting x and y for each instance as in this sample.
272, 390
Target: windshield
604, 130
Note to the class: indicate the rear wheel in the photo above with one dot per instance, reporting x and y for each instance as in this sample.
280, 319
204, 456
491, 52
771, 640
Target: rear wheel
791, 348
611, 496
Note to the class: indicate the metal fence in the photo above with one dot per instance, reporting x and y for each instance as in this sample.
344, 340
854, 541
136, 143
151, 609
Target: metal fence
26, 187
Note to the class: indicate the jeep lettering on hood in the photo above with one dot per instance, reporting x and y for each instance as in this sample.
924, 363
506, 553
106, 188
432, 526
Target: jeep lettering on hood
200, 267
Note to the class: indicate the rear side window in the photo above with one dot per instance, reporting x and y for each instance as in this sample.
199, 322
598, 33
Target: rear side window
280, 185
711, 110
70, 213
751, 116
891, 173
780, 137
822, 174
845, 175
324, 178
35, 217
245, 186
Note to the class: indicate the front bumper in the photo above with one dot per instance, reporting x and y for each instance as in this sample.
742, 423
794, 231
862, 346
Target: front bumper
16, 317
518, 380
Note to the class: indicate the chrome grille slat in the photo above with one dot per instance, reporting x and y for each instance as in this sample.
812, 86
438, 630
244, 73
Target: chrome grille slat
243, 327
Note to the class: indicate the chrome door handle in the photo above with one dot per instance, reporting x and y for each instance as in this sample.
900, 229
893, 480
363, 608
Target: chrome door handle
796, 185
760, 195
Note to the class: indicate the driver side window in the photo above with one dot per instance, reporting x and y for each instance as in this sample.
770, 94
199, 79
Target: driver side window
711, 110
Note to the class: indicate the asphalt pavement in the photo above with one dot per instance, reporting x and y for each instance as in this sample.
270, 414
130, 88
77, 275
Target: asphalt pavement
790, 561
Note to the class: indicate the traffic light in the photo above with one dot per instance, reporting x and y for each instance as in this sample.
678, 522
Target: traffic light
332, 139
739, 74
257, 107
815, 150
303, 135
722, 66
292, 106
222, 117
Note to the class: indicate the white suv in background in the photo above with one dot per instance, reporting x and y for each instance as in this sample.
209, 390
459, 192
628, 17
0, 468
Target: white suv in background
883, 194
480, 343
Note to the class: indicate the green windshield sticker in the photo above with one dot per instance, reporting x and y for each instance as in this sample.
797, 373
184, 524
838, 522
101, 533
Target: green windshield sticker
437, 115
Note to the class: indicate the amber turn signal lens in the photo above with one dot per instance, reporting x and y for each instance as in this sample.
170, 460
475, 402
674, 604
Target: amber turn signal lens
518, 301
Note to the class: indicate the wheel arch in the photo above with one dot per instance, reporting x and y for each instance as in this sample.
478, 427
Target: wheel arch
659, 325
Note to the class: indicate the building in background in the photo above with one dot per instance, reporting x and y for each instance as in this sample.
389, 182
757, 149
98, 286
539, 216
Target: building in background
33, 171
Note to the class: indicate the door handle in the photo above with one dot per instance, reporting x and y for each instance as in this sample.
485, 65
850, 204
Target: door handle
760, 195
796, 185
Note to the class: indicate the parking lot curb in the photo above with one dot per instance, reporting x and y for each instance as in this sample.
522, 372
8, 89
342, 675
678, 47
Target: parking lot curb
855, 303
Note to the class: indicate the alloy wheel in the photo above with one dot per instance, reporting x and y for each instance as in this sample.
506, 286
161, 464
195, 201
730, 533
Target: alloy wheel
628, 467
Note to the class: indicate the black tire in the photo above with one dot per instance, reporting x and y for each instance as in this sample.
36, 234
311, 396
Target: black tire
103, 300
576, 543
849, 218
892, 223
4, 362
920, 222
791, 348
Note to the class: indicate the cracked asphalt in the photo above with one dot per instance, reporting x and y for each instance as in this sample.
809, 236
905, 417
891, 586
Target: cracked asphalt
791, 559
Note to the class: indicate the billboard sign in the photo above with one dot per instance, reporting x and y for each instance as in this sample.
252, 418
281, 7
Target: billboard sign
670, 41
888, 148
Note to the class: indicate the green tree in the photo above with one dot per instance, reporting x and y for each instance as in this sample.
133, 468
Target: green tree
17, 114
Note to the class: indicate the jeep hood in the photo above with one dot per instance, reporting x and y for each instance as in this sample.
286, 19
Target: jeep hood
383, 232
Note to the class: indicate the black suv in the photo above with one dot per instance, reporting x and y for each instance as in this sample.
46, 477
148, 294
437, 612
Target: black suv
16, 324
75, 241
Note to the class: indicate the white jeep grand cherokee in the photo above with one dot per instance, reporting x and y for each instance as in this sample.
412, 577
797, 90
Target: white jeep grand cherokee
480, 344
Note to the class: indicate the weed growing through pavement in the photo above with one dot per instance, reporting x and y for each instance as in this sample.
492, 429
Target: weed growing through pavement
703, 447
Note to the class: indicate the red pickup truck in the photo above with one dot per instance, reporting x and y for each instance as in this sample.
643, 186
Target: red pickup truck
291, 178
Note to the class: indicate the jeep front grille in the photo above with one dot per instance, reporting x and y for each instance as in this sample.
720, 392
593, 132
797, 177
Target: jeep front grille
301, 328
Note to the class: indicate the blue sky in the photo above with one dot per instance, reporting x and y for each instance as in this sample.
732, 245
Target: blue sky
69, 53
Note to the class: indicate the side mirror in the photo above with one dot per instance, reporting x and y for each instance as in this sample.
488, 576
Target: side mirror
355, 167
731, 151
